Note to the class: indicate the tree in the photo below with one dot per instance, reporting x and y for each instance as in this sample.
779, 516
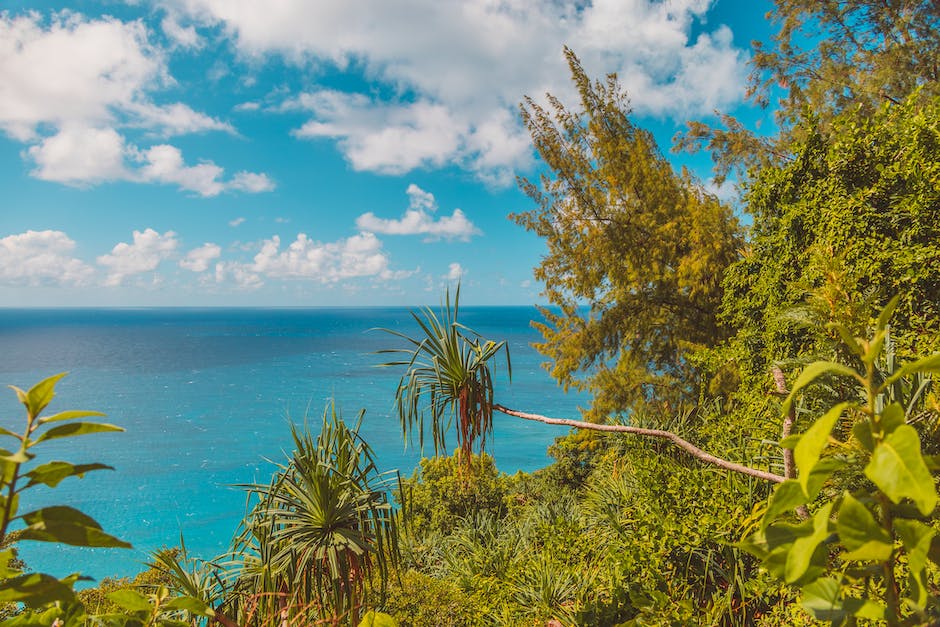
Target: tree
642, 246
854, 219
828, 57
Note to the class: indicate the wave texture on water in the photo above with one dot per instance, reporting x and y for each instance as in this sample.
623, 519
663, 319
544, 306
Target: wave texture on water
205, 396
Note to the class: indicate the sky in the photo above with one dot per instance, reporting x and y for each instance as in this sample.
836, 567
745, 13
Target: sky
315, 152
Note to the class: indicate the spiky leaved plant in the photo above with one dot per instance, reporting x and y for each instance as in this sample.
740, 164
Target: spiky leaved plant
448, 375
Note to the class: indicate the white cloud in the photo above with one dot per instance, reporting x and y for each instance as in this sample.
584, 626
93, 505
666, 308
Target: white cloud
459, 76
251, 182
198, 259
39, 257
144, 255
357, 256
70, 85
182, 36
454, 272
418, 221
164, 164
79, 155
236, 222
247, 106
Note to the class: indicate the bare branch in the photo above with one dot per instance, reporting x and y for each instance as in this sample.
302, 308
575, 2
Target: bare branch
688, 447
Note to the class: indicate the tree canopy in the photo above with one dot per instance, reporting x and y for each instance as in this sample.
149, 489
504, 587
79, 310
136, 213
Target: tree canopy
635, 252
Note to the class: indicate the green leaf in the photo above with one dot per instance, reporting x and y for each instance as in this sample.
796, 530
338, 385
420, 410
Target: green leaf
35, 590
191, 605
19, 457
132, 601
823, 599
786, 497
860, 532
69, 415
875, 348
805, 550
925, 364
67, 525
892, 417
810, 447
10, 433
52, 473
898, 469
41, 394
7, 556
812, 372
377, 619
886, 313
917, 538
74, 429
847, 338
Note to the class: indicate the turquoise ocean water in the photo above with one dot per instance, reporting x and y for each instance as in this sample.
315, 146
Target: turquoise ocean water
205, 396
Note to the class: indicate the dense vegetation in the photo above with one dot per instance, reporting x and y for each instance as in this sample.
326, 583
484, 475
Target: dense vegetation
793, 357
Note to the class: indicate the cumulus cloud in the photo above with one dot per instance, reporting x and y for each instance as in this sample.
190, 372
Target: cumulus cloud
41, 257
199, 259
418, 221
143, 255
454, 272
71, 85
458, 77
357, 256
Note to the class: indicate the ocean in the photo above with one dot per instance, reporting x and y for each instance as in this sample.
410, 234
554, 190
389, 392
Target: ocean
205, 397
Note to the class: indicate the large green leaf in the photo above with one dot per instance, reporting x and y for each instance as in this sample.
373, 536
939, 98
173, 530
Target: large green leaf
71, 414
131, 601
898, 469
926, 364
861, 534
377, 619
812, 372
805, 550
786, 497
67, 525
917, 538
191, 605
35, 590
42, 394
52, 473
823, 598
811, 445
74, 429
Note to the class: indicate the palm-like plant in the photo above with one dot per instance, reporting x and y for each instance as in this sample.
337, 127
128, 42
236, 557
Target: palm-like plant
321, 529
447, 375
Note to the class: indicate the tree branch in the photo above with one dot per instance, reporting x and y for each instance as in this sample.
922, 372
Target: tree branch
686, 446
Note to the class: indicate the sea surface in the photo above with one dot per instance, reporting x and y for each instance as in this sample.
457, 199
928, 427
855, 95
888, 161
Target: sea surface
205, 397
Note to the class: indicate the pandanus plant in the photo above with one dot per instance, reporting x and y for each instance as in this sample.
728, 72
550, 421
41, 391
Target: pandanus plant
448, 375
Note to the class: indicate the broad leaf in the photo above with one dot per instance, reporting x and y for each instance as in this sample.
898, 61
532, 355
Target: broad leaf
42, 394
805, 549
131, 600
926, 364
807, 451
861, 534
74, 429
898, 469
35, 590
377, 619
892, 417
812, 372
68, 526
917, 538
823, 599
52, 473
70, 415
191, 605
786, 497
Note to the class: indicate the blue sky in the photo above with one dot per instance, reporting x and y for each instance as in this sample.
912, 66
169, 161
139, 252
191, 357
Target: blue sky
313, 153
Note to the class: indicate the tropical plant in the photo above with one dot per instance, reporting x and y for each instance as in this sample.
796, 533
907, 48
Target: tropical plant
45, 598
863, 545
319, 533
448, 375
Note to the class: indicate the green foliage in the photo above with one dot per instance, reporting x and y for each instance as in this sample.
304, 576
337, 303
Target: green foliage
828, 57
866, 551
442, 490
642, 246
44, 598
851, 221
447, 374
320, 531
